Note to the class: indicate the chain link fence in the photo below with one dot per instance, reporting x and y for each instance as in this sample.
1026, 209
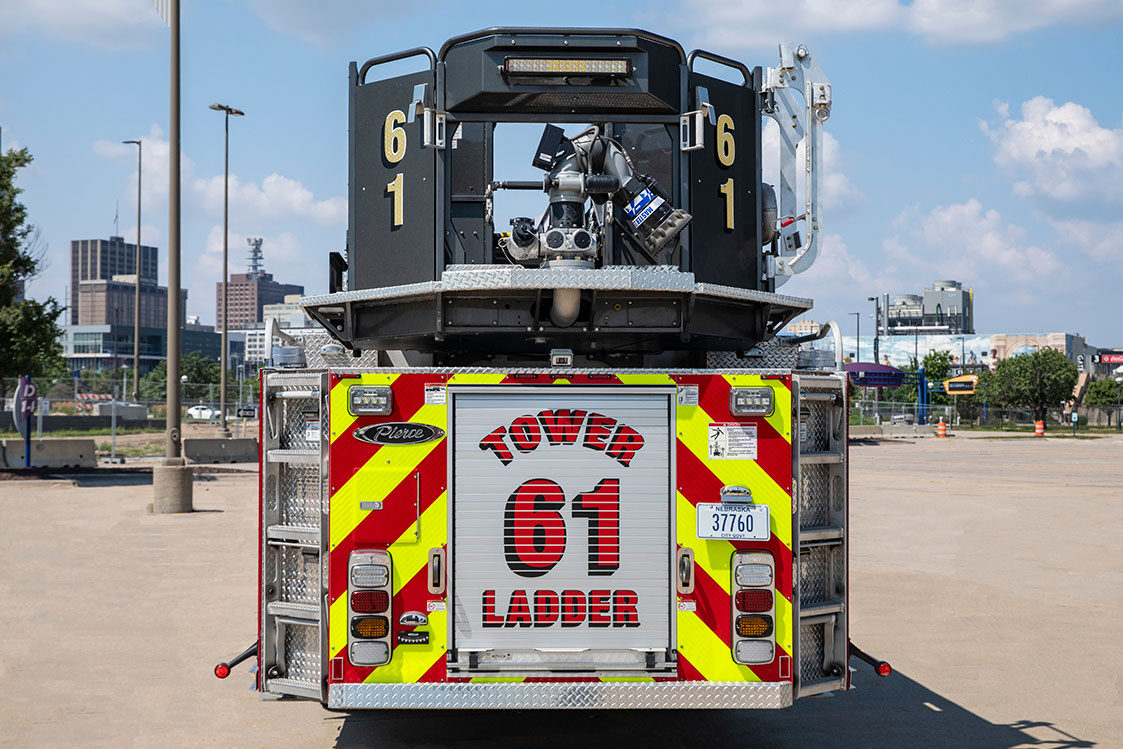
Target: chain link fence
973, 414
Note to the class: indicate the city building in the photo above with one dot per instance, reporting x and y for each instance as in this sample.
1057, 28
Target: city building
102, 259
946, 308
288, 313
802, 327
249, 292
103, 295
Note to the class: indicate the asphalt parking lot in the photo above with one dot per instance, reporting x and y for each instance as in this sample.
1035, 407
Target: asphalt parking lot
988, 571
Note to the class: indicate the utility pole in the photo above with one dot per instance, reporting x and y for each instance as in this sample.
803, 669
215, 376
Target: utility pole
876, 327
223, 359
171, 482
136, 299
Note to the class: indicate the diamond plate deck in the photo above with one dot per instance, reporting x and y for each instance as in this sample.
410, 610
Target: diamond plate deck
645, 695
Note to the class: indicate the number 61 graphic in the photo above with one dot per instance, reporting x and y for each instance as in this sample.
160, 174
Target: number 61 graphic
534, 529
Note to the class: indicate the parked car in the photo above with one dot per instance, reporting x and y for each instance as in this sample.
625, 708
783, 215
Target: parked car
202, 412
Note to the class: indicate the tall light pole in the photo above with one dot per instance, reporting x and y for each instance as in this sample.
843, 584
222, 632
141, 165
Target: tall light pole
876, 327
136, 299
225, 236
171, 482
857, 335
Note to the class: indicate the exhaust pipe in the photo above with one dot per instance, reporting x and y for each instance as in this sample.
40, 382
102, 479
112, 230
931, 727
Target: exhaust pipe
567, 304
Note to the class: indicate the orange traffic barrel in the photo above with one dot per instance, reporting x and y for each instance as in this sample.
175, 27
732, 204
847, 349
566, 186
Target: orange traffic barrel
941, 429
1039, 429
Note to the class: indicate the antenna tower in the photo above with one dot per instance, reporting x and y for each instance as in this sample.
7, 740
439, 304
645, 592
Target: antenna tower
256, 259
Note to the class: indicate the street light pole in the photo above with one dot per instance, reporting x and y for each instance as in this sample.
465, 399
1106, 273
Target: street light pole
225, 237
136, 298
857, 336
876, 327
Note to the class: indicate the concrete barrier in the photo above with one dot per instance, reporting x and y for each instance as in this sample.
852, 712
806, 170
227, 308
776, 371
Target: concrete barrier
866, 430
218, 450
128, 411
52, 453
908, 430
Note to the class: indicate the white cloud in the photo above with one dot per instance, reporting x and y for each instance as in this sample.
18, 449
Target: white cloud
1059, 152
749, 23
155, 159
1101, 242
323, 24
115, 24
277, 197
284, 258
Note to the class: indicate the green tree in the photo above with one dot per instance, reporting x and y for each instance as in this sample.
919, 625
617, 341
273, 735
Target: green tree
1104, 393
1039, 380
28, 331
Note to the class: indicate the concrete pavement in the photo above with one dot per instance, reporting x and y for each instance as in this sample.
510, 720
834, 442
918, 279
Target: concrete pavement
987, 571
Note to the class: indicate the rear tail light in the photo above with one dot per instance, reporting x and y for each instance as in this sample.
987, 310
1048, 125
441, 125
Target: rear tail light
753, 575
753, 600
371, 593
370, 627
378, 601
370, 575
755, 651
753, 608
754, 626
370, 652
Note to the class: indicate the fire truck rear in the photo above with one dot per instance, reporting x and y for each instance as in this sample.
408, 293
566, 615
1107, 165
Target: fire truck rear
561, 460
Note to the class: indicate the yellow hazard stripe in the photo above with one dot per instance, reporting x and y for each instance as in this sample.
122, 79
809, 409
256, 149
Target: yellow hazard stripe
341, 418
716, 557
380, 475
408, 555
707, 653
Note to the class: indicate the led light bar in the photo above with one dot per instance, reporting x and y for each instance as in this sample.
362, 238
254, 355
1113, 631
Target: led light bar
370, 400
565, 66
751, 402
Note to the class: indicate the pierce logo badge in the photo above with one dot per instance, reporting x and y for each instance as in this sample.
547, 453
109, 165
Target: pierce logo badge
398, 433
413, 619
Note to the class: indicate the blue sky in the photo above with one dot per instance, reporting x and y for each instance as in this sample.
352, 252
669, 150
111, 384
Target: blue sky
980, 141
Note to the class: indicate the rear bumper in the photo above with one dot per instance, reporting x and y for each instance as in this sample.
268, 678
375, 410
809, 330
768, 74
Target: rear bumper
585, 695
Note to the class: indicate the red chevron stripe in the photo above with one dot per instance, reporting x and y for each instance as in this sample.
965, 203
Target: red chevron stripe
714, 604
383, 527
687, 671
774, 453
349, 455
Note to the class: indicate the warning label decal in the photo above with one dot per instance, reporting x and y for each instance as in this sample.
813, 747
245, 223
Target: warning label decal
732, 441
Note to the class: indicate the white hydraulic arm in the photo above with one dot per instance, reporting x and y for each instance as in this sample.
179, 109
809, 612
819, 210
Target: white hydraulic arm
798, 98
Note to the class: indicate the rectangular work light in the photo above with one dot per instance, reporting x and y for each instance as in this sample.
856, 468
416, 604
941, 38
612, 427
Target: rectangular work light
565, 66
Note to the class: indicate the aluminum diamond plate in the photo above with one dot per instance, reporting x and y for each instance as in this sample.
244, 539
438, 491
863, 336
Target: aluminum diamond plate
608, 278
582, 695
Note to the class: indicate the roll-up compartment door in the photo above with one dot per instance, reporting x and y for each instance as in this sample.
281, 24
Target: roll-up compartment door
562, 530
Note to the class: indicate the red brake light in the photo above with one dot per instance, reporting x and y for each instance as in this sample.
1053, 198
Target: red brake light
370, 601
884, 669
754, 600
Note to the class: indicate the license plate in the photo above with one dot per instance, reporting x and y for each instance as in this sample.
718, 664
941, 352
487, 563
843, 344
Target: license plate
739, 522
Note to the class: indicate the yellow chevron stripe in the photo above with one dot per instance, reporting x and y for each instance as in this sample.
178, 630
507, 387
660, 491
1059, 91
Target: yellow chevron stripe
341, 420
477, 378
715, 556
707, 652
408, 556
781, 400
379, 476
646, 379
693, 431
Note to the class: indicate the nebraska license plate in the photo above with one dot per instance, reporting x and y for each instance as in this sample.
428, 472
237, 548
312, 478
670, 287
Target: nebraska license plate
734, 521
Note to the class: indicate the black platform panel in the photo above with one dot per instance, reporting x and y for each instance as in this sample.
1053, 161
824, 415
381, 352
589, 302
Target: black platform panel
725, 188
392, 209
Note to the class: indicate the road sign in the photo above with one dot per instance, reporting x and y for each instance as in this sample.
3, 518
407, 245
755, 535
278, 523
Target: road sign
962, 385
24, 401
247, 412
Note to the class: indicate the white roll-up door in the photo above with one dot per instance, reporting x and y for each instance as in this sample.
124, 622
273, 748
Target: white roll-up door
562, 529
